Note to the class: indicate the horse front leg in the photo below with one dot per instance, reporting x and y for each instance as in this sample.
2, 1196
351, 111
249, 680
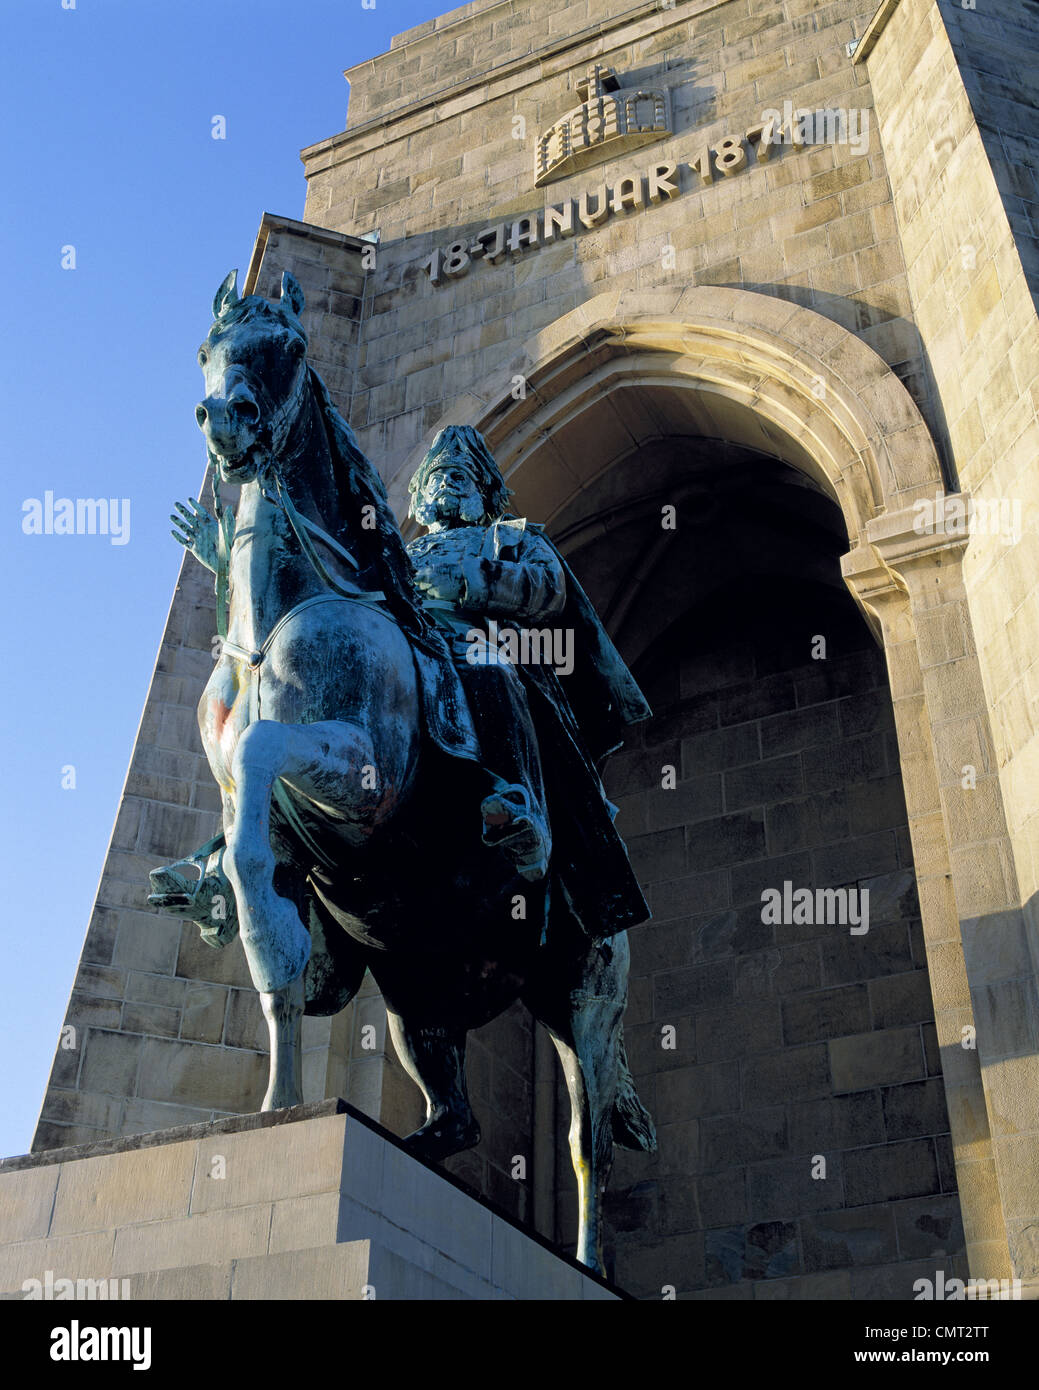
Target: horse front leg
277, 945
323, 761
283, 1010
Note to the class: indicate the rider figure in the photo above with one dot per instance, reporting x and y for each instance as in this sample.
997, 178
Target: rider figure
450, 504
477, 565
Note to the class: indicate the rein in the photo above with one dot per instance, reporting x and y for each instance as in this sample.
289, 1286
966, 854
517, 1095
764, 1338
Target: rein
254, 658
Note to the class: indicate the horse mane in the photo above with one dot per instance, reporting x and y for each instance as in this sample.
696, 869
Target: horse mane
380, 549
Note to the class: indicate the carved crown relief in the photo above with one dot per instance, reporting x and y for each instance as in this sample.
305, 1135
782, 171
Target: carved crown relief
610, 120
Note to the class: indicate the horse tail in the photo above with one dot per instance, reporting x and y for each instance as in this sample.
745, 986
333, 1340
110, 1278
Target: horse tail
633, 1126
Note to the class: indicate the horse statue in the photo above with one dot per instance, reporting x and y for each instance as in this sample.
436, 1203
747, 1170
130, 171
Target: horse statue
336, 731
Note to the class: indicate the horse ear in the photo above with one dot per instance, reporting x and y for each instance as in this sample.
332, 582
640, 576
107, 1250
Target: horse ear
226, 295
292, 293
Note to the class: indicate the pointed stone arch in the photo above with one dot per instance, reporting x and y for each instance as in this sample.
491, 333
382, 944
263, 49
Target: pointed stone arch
760, 370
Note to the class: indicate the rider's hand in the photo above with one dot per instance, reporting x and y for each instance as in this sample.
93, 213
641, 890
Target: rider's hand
439, 583
197, 533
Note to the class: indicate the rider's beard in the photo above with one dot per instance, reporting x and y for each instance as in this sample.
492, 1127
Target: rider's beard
425, 513
471, 509
468, 510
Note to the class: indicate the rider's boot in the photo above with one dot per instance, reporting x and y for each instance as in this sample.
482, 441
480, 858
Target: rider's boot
514, 821
514, 815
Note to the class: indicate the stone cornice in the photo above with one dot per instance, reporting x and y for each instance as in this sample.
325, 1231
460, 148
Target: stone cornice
518, 72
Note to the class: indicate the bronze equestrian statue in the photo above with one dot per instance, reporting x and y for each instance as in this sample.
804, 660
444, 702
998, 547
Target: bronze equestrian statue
391, 803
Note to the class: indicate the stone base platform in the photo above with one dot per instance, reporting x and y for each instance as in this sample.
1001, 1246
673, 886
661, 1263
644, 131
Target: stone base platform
317, 1202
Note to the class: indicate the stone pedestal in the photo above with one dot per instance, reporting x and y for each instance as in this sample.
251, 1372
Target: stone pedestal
312, 1203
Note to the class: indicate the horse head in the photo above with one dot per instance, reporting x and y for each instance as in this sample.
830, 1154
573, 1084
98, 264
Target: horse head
255, 369
258, 387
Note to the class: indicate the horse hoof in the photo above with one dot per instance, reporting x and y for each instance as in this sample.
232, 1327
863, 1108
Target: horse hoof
438, 1139
279, 1100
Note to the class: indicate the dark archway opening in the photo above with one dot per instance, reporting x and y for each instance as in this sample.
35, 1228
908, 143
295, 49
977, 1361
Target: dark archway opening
791, 1065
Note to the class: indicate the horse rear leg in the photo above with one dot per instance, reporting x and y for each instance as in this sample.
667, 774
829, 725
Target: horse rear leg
434, 1058
582, 1005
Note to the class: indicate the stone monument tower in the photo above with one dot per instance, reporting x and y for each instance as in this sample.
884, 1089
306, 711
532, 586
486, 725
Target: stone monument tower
743, 298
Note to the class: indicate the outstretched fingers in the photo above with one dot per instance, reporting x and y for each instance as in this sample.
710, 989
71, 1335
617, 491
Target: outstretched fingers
186, 532
189, 522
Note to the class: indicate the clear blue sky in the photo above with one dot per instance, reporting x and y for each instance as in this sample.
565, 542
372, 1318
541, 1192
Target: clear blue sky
106, 112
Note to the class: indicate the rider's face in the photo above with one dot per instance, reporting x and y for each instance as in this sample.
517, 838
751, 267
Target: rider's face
453, 496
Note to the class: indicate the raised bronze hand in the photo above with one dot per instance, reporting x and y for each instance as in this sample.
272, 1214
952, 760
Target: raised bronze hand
198, 532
